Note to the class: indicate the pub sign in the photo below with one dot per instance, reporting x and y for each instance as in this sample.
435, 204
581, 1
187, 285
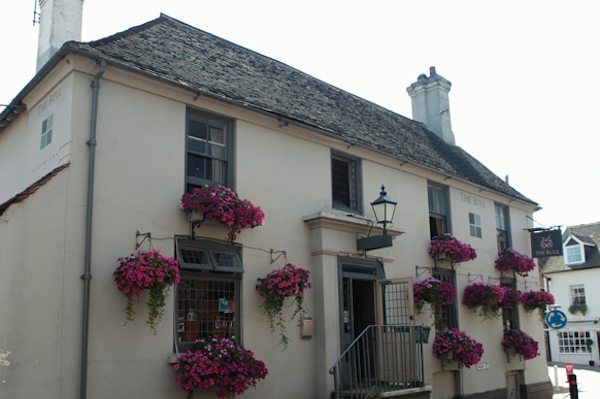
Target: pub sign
546, 243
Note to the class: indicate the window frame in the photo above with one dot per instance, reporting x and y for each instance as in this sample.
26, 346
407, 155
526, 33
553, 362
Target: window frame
435, 215
576, 344
47, 133
183, 346
581, 254
357, 183
475, 226
574, 294
451, 310
506, 216
230, 145
510, 316
213, 272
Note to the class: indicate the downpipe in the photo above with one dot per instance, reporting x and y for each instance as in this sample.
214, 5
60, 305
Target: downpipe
87, 268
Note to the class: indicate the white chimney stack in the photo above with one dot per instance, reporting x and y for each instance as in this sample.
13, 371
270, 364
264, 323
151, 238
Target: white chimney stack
60, 21
430, 105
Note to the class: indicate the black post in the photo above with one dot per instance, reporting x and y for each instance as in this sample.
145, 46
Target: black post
573, 393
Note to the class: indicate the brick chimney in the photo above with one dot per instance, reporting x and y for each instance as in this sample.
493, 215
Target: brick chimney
430, 105
60, 21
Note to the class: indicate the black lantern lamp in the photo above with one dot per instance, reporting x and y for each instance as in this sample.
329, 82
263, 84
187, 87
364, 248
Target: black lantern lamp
384, 208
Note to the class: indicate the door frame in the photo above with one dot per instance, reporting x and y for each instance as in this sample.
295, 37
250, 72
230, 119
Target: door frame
367, 269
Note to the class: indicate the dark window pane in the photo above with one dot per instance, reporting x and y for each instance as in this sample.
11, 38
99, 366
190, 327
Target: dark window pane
197, 129
340, 179
224, 259
437, 226
196, 167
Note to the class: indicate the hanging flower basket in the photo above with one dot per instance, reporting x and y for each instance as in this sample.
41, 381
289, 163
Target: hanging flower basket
485, 299
533, 300
218, 364
434, 292
516, 341
288, 282
449, 247
146, 270
511, 260
511, 297
464, 349
222, 205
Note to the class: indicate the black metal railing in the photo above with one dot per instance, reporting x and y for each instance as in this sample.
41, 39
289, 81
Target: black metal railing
383, 358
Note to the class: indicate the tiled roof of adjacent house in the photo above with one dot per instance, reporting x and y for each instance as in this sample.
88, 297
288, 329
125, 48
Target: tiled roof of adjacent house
173, 51
588, 234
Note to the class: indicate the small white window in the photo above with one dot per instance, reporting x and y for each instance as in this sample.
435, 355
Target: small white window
574, 254
475, 225
577, 294
47, 126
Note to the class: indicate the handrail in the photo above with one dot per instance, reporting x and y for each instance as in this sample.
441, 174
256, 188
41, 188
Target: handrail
382, 358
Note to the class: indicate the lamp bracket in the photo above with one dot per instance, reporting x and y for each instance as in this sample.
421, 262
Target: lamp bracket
374, 242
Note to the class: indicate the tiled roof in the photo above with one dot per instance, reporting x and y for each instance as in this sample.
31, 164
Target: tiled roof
589, 234
173, 51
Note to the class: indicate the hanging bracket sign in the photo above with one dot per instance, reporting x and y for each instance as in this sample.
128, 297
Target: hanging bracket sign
546, 242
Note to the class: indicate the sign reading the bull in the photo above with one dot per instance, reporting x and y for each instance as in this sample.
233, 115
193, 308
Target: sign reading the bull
546, 243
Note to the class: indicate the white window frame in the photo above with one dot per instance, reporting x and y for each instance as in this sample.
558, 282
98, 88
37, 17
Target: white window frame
574, 342
574, 293
566, 253
47, 131
475, 227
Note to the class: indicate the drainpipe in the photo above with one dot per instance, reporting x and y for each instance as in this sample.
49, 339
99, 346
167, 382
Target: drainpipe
87, 270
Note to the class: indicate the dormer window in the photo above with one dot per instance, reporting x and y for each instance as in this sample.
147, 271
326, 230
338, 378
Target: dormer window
574, 254
574, 250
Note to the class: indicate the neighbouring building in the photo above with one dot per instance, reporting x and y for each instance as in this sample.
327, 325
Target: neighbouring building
96, 151
573, 280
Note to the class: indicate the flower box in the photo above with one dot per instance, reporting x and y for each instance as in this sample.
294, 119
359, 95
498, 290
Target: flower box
533, 300
447, 357
218, 365
447, 247
516, 341
435, 292
484, 298
223, 205
511, 260
465, 350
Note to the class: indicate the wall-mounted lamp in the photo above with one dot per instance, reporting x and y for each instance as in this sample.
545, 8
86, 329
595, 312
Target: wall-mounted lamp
384, 208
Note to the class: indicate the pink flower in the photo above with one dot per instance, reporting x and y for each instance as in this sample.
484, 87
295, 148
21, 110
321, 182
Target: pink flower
484, 298
222, 204
522, 343
455, 250
466, 350
511, 260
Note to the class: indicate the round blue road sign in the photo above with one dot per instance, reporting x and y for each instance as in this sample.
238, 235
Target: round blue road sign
556, 319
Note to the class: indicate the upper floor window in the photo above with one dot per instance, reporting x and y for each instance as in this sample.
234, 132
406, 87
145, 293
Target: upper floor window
47, 127
577, 294
208, 298
502, 226
475, 225
345, 183
574, 252
438, 210
209, 159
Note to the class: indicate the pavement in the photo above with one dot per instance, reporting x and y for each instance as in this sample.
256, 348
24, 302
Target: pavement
588, 382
